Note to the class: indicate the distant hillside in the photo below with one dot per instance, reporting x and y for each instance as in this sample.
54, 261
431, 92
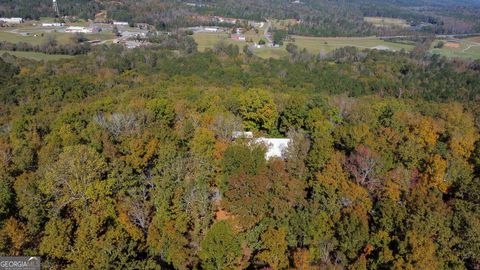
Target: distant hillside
318, 17
34, 9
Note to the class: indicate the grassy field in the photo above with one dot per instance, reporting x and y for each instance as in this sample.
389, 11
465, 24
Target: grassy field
386, 22
473, 39
208, 40
461, 48
270, 52
62, 38
36, 56
283, 24
325, 45
34, 36
312, 44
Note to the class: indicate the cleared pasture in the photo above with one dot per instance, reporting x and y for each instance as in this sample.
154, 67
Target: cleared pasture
208, 40
38, 38
386, 22
283, 24
312, 44
460, 48
36, 55
325, 45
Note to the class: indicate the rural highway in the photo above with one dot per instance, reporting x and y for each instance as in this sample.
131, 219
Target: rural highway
437, 36
265, 33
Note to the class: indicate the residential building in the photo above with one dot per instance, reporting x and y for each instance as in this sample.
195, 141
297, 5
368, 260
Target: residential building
13, 20
275, 147
78, 29
120, 23
54, 24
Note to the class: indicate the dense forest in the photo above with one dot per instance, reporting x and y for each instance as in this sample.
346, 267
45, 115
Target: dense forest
124, 159
318, 18
34, 9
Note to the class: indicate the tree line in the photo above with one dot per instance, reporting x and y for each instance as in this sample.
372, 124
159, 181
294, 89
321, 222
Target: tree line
316, 18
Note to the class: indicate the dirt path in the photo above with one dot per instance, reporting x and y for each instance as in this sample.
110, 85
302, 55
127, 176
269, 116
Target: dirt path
470, 46
265, 33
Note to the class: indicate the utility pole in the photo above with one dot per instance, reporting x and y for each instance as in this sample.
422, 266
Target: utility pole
55, 8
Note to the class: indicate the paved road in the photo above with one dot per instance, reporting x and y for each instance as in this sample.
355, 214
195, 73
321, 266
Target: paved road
437, 36
265, 32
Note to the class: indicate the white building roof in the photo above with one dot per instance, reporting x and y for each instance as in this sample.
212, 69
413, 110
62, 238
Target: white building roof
242, 134
12, 20
120, 23
76, 28
52, 24
275, 147
382, 48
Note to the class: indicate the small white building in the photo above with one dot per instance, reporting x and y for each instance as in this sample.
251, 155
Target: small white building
120, 23
54, 24
211, 29
13, 20
242, 134
382, 48
78, 29
275, 147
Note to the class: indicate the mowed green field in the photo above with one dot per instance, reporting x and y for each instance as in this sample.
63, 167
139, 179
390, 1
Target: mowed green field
386, 22
283, 24
270, 52
62, 38
312, 44
460, 48
36, 55
328, 44
208, 40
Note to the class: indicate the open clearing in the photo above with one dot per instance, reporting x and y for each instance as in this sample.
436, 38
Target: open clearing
452, 45
34, 33
386, 22
473, 39
36, 55
312, 44
325, 45
462, 48
36, 37
283, 24
208, 40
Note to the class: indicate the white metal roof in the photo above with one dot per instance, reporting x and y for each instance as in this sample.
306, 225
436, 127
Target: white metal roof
275, 147
242, 134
